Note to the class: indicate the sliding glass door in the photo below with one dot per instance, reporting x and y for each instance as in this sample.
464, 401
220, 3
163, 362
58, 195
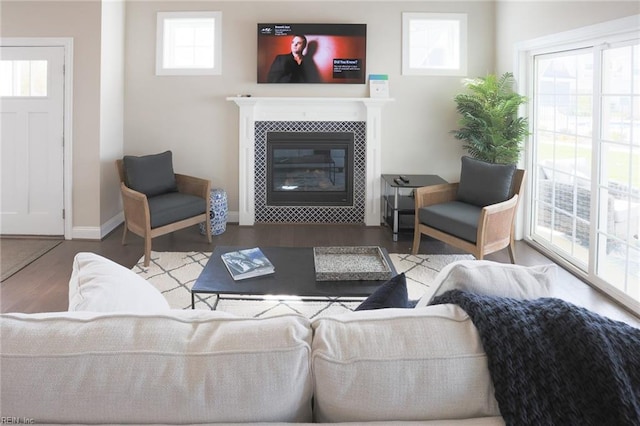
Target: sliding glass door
617, 259
563, 127
586, 158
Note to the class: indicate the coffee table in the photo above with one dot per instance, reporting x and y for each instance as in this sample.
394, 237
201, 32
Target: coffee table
294, 276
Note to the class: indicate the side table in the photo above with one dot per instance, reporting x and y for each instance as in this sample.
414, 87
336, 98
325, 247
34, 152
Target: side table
396, 203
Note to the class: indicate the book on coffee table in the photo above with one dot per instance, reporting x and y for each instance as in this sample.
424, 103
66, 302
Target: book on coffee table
247, 263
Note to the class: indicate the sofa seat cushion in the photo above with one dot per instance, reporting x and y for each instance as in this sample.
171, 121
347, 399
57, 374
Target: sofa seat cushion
400, 364
173, 207
454, 218
150, 174
179, 367
98, 284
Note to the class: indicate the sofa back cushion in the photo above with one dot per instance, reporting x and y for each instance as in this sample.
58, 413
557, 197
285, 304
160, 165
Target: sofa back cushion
400, 364
178, 367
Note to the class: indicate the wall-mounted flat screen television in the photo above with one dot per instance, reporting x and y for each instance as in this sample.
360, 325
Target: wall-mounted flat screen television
312, 53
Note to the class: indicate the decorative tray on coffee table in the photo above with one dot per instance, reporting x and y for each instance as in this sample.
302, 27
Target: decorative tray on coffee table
350, 264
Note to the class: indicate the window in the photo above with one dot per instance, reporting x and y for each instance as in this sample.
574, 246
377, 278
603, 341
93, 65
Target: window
585, 153
189, 43
434, 44
23, 78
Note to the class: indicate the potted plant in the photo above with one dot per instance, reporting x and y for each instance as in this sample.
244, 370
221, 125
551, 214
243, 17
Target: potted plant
490, 126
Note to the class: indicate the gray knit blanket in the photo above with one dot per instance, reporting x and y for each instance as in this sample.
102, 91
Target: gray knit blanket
553, 363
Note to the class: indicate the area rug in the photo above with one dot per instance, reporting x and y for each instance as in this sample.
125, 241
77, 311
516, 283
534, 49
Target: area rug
173, 273
16, 253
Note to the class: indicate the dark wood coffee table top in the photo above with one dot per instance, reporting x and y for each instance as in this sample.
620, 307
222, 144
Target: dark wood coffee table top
294, 276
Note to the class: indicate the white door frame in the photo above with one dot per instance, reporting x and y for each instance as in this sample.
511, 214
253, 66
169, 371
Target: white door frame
67, 44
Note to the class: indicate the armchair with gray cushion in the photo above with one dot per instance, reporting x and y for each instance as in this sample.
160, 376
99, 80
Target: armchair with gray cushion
157, 201
477, 214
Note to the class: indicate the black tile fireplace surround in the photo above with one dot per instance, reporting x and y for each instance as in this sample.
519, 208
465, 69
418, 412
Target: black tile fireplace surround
309, 168
337, 205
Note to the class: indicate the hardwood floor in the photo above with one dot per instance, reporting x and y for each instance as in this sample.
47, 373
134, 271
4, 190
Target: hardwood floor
43, 285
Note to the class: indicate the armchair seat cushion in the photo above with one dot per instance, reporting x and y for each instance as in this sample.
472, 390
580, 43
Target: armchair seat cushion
455, 218
173, 207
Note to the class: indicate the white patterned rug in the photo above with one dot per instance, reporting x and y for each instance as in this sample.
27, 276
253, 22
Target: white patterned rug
173, 273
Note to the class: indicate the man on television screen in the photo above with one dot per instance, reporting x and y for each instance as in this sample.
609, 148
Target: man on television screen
293, 67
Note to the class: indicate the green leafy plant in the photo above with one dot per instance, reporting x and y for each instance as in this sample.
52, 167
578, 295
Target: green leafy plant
490, 126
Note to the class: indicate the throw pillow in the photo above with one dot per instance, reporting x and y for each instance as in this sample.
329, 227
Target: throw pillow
100, 285
482, 183
392, 294
150, 174
494, 279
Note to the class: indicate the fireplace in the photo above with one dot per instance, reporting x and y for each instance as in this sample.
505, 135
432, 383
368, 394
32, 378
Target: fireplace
307, 206
309, 169
260, 116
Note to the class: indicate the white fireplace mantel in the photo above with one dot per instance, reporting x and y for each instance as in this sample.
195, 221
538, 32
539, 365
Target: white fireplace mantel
253, 109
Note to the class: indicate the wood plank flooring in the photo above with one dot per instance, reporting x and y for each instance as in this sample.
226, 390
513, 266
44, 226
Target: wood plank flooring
43, 285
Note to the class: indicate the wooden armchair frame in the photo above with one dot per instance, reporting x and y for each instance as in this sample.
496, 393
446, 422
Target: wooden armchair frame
137, 217
495, 225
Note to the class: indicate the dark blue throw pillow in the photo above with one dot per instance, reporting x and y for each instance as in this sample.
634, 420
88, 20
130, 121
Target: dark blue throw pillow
392, 294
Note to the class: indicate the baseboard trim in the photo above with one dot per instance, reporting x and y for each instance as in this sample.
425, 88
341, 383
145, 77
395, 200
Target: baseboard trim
233, 217
111, 224
98, 233
85, 233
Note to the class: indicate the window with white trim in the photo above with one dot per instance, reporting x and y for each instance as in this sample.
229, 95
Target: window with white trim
189, 43
434, 44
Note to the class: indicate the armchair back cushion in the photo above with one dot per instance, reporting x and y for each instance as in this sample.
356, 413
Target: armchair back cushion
150, 174
483, 184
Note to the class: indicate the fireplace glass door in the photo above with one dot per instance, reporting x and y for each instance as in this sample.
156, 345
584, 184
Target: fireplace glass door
309, 168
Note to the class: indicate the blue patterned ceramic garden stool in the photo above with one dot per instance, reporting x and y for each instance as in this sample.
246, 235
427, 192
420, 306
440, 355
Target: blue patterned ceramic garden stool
218, 212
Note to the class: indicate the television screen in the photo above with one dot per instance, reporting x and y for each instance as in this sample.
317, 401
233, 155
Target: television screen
312, 53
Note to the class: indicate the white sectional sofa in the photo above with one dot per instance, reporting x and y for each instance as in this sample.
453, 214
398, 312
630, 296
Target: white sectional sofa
196, 367
122, 356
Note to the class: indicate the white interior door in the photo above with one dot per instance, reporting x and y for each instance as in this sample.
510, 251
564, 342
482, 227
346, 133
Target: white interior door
31, 128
